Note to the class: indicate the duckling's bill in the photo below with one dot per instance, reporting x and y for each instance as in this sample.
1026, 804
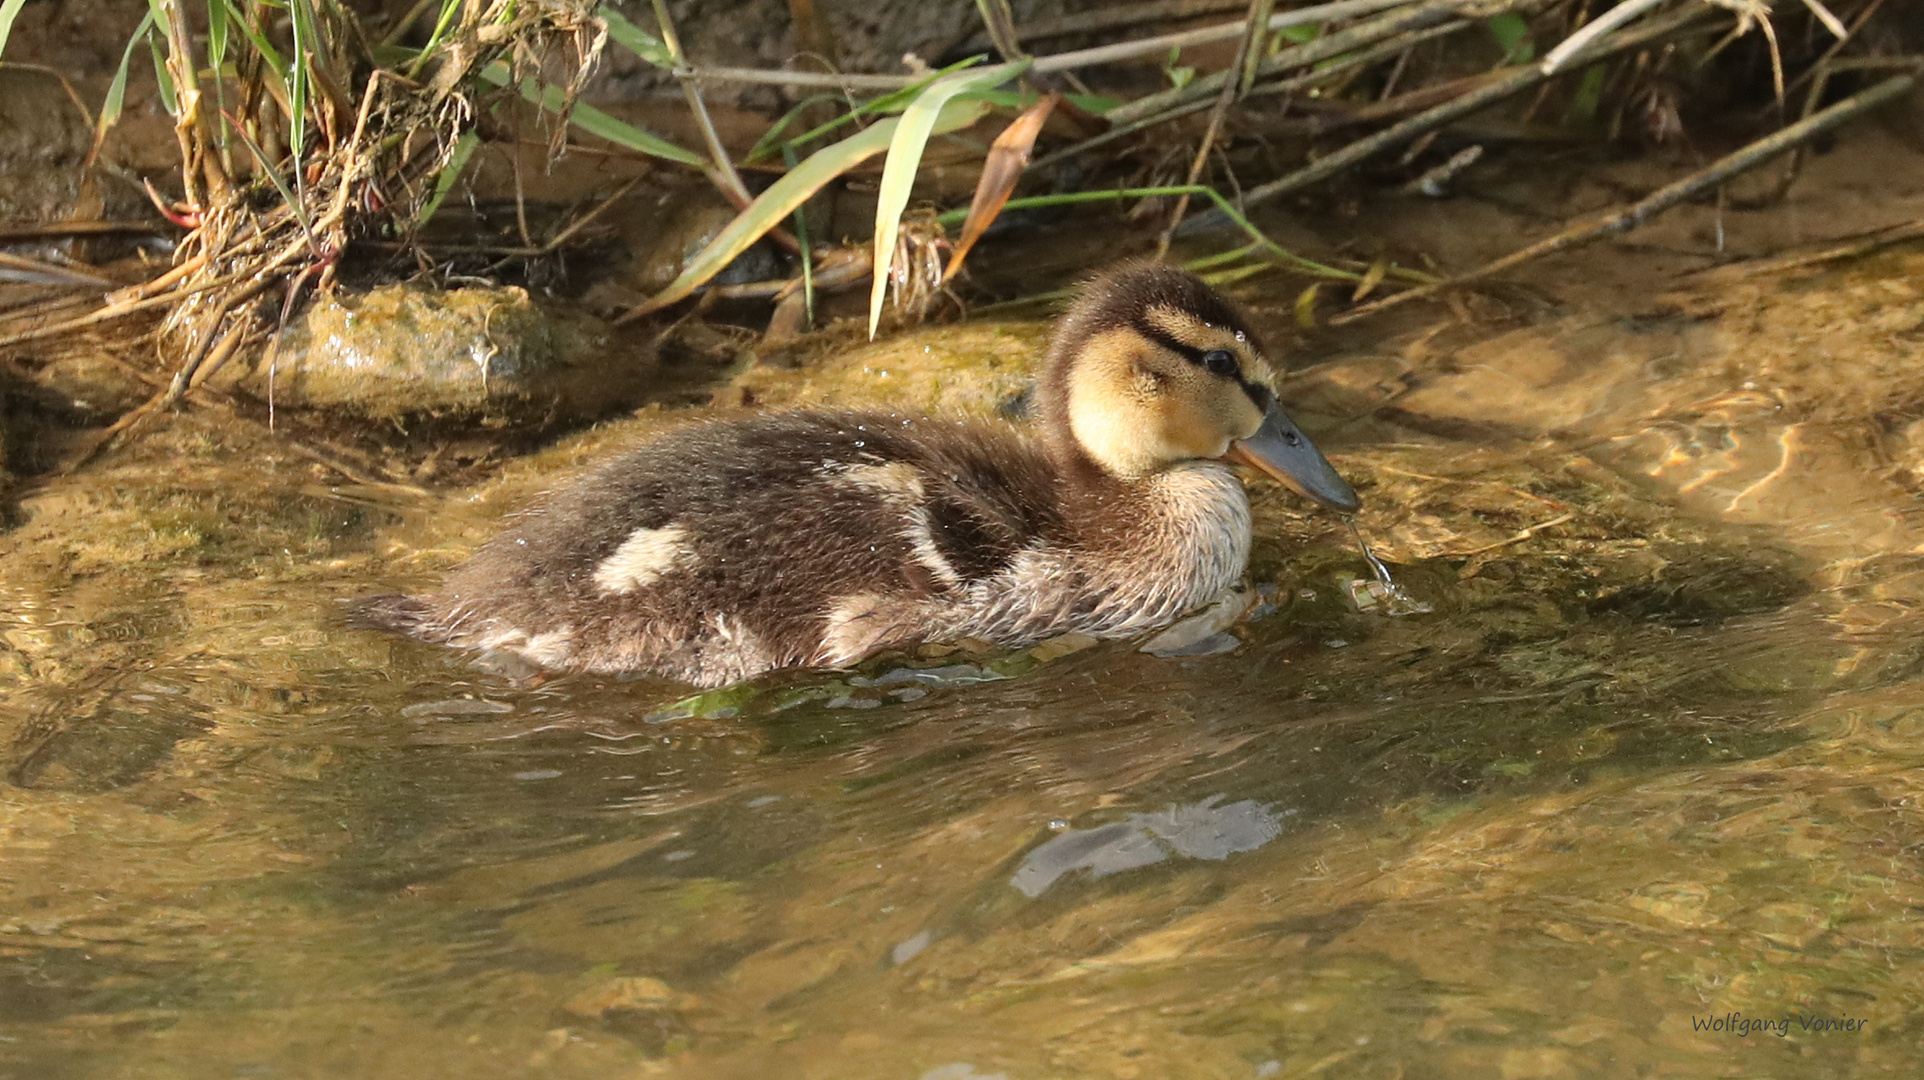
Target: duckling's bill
1280, 449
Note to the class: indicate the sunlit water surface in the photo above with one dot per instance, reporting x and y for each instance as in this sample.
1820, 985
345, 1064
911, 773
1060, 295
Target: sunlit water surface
1641, 776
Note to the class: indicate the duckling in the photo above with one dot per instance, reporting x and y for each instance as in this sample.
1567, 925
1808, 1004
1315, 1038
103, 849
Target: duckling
812, 539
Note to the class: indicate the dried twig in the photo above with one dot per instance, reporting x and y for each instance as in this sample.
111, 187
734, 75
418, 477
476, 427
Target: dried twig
1069, 61
1248, 52
1514, 82
13, 233
1405, 19
1114, 17
1337, 69
1635, 215
1559, 58
42, 272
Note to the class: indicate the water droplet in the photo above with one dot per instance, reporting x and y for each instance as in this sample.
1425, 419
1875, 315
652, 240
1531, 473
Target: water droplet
1384, 592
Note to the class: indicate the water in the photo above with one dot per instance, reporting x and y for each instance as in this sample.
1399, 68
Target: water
1652, 760
1383, 595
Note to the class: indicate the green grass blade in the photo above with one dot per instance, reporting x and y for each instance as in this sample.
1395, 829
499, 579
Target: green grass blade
117, 90
808, 253
598, 123
216, 36
449, 9
771, 139
165, 81
636, 40
796, 187
911, 137
273, 175
158, 9
217, 39
9, 11
892, 102
261, 45
1260, 242
457, 161
300, 18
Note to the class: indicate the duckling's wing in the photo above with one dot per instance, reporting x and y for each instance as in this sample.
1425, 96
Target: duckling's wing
729, 549
989, 496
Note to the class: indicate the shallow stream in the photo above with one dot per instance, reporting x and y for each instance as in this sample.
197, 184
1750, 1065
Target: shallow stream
1647, 774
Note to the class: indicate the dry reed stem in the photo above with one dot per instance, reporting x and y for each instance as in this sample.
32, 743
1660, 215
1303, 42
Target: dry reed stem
1515, 81
1638, 213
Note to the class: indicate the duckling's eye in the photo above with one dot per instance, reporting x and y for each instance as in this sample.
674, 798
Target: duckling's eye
1219, 362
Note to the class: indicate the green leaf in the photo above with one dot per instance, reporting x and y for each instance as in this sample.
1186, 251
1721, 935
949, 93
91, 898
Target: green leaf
444, 183
1512, 35
449, 9
117, 90
9, 11
1178, 75
636, 40
1588, 97
892, 102
796, 187
216, 36
771, 139
912, 133
261, 45
165, 81
273, 175
158, 9
595, 122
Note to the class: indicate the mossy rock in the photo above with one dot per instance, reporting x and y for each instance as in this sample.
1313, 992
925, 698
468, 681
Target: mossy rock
482, 352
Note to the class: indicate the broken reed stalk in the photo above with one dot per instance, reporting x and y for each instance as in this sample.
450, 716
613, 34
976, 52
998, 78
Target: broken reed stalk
1641, 211
1113, 17
1338, 69
1258, 241
1069, 61
1406, 18
1505, 85
1248, 52
53, 229
51, 273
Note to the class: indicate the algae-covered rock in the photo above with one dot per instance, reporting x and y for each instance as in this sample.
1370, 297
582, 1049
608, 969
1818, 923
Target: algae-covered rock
974, 369
485, 352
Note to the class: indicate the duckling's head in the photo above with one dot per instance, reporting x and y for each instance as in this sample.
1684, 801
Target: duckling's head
1152, 368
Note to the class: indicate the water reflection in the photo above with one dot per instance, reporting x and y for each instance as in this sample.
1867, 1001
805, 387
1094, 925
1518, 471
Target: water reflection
1198, 831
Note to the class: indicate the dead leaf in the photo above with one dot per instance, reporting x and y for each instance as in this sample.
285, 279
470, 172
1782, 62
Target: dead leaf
1008, 156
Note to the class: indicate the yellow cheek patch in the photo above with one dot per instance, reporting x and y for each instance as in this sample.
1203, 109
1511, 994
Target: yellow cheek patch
1186, 432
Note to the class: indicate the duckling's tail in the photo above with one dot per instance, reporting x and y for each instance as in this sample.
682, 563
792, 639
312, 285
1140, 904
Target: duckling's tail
410, 615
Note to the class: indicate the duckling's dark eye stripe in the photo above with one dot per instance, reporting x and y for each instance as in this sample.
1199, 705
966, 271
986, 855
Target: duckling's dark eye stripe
1163, 338
1258, 393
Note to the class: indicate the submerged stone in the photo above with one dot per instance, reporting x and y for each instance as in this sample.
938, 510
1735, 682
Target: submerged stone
478, 352
130, 736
